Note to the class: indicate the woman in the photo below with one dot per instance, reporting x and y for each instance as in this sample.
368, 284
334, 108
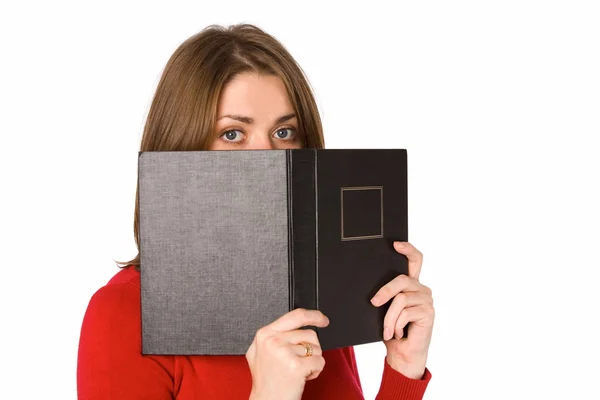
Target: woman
227, 89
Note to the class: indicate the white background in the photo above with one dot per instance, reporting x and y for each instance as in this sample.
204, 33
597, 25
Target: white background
497, 103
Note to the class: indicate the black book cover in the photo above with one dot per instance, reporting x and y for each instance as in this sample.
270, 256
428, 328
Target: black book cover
232, 240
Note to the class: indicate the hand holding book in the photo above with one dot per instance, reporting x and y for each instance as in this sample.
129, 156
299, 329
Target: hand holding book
278, 359
412, 303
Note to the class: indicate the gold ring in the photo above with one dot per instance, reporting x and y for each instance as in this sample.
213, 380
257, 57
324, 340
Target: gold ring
309, 350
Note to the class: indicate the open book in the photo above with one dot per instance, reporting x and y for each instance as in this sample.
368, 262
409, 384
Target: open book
232, 240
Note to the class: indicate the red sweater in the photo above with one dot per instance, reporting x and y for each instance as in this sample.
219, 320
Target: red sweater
111, 366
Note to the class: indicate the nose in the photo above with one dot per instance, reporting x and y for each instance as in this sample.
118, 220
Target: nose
260, 142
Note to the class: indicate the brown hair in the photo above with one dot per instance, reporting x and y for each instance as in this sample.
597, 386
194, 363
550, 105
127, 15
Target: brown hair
184, 109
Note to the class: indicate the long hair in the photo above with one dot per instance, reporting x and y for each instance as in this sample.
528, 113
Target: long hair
183, 112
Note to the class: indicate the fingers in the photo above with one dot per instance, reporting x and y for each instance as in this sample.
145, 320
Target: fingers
298, 318
303, 336
401, 283
420, 315
288, 345
292, 354
309, 366
278, 351
315, 365
401, 302
415, 258
300, 350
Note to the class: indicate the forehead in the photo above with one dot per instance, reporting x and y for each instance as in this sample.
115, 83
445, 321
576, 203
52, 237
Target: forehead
255, 95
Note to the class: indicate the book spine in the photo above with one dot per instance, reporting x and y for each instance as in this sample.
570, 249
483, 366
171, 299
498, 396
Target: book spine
302, 224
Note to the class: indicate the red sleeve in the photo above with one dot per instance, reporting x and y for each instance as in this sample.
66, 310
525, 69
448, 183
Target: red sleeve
395, 386
110, 364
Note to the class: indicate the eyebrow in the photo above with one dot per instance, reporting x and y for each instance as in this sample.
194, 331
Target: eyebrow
248, 120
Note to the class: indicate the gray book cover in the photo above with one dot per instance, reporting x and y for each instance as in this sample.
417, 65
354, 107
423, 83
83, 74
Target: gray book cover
232, 240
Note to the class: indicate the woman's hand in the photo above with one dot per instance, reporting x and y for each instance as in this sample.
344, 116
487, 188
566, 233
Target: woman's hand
412, 302
277, 360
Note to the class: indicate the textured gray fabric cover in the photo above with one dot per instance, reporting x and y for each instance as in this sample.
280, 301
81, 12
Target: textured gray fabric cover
214, 249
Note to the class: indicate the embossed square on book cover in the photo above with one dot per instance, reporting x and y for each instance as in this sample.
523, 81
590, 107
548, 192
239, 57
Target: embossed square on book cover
232, 240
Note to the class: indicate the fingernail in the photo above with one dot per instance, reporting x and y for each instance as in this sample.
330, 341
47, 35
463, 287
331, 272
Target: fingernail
375, 301
387, 333
400, 244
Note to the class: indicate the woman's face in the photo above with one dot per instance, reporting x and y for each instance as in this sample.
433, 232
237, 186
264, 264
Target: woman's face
254, 112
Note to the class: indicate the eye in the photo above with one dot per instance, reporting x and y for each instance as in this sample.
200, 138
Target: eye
285, 133
231, 135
